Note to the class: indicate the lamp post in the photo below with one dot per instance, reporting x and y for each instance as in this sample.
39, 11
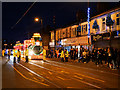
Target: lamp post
5, 45
37, 19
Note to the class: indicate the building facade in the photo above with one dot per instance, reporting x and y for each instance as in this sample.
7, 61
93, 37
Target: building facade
104, 32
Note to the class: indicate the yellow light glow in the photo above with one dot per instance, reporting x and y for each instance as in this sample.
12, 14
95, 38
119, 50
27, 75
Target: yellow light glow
36, 19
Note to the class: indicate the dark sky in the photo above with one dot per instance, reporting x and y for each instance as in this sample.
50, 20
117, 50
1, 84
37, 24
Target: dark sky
64, 12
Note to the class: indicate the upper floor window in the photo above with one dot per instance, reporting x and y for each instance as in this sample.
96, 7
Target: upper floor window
103, 24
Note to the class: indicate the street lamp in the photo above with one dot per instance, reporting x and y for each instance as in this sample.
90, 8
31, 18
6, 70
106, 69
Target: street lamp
5, 45
36, 19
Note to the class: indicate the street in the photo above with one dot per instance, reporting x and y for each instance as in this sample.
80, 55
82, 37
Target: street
49, 74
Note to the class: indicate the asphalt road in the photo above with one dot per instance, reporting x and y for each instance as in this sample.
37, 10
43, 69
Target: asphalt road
51, 74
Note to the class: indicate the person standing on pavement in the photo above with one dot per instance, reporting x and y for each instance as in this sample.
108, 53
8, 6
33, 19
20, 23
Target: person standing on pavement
9, 53
66, 55
44, 54
109, 57
14, 56
18, 55
3, 52
105, 55
84, 56
26, 55
62, 55
74, 54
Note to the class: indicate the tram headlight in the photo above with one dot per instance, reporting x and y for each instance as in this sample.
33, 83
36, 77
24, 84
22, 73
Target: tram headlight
29, 57
31, 52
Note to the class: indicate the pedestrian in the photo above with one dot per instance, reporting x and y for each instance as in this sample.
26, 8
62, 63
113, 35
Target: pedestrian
118, 59
62, 55
97, 57
14, 56
44, 54
105, 55
9, 53
3, 52
109, 57
26, 55
66, 55
18, 55
57, 53
84, 56
88, 57
114, 59
101, 56
71, 53
74, 54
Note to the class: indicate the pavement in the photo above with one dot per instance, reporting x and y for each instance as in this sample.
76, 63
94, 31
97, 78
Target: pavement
54, 74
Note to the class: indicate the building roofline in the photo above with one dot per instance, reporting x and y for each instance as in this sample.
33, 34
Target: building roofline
109, 11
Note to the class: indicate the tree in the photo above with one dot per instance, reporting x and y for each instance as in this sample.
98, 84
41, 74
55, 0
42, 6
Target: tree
95, 25
109, 21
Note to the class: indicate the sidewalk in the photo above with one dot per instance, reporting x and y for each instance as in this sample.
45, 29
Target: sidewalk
89, 65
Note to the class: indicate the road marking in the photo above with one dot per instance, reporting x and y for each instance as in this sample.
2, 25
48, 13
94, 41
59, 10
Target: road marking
26, 77
71, 87
49, 72
71, 77
36, 79
30, 73
90, 77
78, 77
60, 78
83, 68
37, 74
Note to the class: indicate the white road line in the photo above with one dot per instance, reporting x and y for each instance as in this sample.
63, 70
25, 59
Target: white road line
71, 77
37, 75
84, 68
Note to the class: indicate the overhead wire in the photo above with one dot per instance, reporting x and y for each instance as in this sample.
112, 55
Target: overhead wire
23, 15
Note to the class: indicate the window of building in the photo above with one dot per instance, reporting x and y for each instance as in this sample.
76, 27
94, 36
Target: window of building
103, 24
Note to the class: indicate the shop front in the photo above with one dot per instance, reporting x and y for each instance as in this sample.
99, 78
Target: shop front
105, 40
76, 43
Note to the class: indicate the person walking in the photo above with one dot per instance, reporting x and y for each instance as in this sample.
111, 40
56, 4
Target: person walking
109, 57
97, 57
105, 54
3, 52
9, 53
26, 55
44, 54
14, 56
84, 56
74, 54
18, 55
66, 55
114, 59
62, 56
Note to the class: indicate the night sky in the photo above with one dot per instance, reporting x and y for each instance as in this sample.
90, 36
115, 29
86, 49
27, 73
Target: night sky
64, 13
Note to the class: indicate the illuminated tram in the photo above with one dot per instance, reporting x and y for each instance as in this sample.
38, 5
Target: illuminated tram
35, 48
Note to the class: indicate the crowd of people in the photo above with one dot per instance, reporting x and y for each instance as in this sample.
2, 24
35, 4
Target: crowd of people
110, 56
